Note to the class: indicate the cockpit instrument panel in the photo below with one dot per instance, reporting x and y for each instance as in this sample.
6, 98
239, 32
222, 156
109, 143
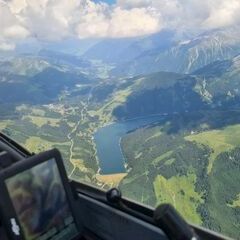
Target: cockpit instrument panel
36, 199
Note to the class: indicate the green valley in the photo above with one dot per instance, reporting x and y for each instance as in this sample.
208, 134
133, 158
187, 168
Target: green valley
187, 157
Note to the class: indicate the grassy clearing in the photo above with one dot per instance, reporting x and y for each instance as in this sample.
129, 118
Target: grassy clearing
71, 124
38, 112
138, 155
132, 179
112, 180
169, 161
236, 202
179, 191
4, 124
120, 97
162, 157
218, 140
79, 163
40, 121
156, 135
37, 144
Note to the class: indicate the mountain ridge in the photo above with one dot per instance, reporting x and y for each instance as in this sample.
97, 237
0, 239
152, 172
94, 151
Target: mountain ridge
186, 56
208, 88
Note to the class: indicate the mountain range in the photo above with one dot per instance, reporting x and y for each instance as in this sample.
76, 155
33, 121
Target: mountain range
194, 83
166, 52
35, 80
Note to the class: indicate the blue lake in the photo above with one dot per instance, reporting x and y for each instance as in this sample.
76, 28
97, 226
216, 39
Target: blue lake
107, 140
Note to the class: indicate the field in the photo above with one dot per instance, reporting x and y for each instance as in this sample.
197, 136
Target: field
218, 140
40, 121
4, 124
112, 180
180, 192
194, 169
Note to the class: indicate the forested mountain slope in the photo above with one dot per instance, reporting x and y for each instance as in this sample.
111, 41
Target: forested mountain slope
216, 86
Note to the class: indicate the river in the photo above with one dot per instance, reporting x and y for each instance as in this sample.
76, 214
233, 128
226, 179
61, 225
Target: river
108, 138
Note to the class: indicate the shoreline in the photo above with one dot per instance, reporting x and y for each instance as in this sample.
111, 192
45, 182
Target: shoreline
101, 126
112, 180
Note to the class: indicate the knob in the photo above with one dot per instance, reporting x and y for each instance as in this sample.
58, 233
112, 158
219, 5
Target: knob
114, 195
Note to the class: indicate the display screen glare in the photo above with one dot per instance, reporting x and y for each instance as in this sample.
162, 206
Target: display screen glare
41, 204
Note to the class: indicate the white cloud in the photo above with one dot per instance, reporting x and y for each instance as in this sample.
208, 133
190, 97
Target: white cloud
11, 28
15, 32
53, 20
223, 14
134, 22
93, 20
6, 46
191, 14
102, 21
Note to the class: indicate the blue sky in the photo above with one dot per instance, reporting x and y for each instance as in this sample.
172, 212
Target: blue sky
106, 1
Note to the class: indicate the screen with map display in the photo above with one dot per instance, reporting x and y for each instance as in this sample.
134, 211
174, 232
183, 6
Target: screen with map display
41, 203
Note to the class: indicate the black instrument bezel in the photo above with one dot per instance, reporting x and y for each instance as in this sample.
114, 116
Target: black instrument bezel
7, 211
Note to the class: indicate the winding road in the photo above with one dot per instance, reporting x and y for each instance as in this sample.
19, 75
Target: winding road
73, 133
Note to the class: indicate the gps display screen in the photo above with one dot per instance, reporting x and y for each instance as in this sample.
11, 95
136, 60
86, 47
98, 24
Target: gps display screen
41, 204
